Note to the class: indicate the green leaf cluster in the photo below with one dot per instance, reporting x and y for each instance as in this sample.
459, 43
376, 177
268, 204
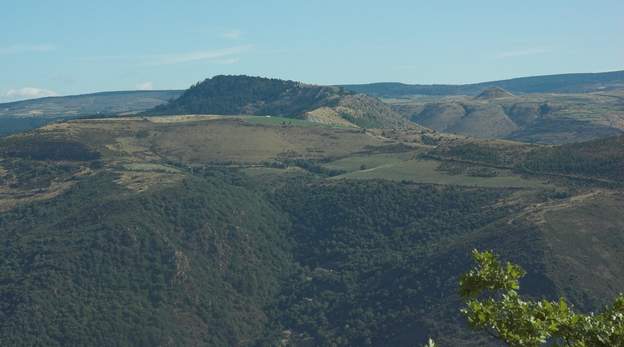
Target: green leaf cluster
495, 306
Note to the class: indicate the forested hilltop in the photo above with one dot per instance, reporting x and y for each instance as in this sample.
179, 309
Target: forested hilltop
246, 95
256, 231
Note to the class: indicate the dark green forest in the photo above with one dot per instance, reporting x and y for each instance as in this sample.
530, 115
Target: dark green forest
217, 261
365, 253
100, 266
235, 95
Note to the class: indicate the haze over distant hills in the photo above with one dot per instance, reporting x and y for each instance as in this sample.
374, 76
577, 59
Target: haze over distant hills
119, 102
111, 103
562, 83
542, 109
28, 114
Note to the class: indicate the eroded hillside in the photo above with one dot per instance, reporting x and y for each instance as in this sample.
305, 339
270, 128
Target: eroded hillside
534, 118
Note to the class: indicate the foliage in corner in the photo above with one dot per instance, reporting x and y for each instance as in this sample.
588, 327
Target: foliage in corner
494, 305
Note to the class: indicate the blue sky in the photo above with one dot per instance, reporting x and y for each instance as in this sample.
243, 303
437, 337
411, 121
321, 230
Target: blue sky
70, 47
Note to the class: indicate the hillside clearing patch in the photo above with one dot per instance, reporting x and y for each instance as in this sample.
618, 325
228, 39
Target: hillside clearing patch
426, 171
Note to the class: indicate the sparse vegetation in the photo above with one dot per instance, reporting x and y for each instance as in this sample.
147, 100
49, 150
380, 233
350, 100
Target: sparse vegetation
532, 118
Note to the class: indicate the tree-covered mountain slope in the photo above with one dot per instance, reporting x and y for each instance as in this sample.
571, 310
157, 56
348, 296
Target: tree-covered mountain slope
245, 95
598, 161
194, 263
255, 231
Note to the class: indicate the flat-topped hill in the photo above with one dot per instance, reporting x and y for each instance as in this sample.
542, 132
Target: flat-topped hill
236, 95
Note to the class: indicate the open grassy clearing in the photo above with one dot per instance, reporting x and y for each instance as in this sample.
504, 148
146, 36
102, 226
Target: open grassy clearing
426, 171
139, 181
141, 150
150, 167
369, 161
239, 141
267, 175
191, 118
137, 149
209, 139
264, 120
272, 120
329, 116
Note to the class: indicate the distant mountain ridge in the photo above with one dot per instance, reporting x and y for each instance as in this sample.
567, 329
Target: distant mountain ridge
236, 95
24, 115
113, 103
561, 83
357, 105
541, 118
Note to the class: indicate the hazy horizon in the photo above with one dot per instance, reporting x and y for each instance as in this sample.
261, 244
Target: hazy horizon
372, 82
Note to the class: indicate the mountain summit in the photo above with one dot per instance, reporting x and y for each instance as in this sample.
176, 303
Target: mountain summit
235, 95
493, 93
